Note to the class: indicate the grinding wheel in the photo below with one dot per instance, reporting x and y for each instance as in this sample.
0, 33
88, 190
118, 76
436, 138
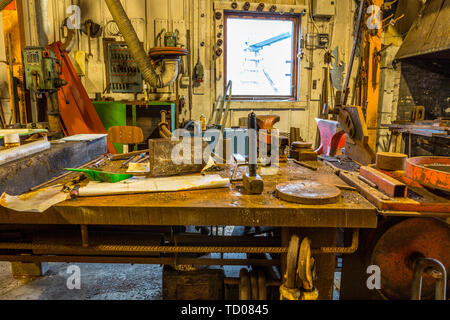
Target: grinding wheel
397, 249
308, 192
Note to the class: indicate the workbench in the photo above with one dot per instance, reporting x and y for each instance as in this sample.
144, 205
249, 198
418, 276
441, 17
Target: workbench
215, 207
218, 207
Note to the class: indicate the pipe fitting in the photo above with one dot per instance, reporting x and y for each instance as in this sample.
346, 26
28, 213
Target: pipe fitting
169, 71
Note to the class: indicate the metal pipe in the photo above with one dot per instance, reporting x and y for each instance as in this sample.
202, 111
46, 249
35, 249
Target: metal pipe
43, 27
137, 248
170, 69
175, 249
236, 281
24, 151
437, 270
142, 260
253, 144
344, 250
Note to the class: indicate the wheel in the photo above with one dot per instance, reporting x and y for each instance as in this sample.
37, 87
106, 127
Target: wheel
305, 265
397, 249
292, 260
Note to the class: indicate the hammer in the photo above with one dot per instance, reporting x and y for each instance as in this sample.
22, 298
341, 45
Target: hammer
253, 183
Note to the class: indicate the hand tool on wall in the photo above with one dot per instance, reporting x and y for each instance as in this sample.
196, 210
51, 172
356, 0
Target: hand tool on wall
351, 118
253, 183
92, 30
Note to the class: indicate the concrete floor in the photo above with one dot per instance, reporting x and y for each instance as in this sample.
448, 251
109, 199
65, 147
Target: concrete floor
98, 282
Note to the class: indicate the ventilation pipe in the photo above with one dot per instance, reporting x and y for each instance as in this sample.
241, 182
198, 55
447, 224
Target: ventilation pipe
43, 26
4, 3
170, 67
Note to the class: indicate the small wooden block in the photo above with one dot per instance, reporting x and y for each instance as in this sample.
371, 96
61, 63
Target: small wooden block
302, 145
253, 185
21, 270
307, 156
206, 284
308, 192
391, 161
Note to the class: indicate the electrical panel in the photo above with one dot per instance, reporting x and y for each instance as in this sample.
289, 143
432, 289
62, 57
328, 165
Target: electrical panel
323, 8
124, 74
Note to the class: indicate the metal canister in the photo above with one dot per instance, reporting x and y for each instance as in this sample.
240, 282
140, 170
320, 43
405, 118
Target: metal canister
12, 141
203, 121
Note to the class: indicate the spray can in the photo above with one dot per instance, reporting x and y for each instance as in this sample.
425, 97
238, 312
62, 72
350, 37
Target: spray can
203, 121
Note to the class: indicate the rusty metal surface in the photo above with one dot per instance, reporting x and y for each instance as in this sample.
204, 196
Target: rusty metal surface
161, 163
429, 172
419, 201
400, 246
142, 260
23, 174
226, 206
308, 192
390, 186
357, 139
430, 31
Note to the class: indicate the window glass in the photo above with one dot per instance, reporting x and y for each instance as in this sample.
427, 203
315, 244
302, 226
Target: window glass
260, 56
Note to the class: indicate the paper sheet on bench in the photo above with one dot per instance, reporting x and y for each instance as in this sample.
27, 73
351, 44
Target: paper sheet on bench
147, 185
37, 201
43, 199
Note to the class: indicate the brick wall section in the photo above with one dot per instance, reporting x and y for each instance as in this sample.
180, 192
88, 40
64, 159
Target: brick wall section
424, 82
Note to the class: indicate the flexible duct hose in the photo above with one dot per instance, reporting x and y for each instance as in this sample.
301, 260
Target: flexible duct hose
43, 27
135, 46
4, 3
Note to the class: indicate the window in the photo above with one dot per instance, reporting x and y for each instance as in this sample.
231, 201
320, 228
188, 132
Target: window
260, 55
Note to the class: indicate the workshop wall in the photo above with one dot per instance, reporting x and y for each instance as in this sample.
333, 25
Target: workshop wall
149, 17
424, 83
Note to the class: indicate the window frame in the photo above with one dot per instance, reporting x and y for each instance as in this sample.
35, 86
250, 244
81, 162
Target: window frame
296, 19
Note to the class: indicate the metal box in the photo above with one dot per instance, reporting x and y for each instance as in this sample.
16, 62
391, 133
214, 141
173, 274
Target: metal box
124, 75
323, 8
206, 284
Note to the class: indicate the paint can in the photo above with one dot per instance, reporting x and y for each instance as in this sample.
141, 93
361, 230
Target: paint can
12, 141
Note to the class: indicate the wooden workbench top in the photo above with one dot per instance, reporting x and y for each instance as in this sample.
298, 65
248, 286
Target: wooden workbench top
225, 206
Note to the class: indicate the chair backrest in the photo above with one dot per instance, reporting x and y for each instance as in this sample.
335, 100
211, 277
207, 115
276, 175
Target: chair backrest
125, 135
